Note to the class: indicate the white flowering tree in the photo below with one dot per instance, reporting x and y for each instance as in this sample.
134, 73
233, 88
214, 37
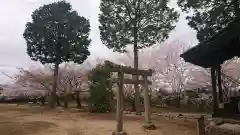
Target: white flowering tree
172, 73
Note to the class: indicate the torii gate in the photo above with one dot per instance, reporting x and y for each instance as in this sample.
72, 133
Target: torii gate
121, 70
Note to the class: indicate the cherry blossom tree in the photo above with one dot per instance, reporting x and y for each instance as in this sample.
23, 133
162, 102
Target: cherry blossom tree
171, 72
72, 80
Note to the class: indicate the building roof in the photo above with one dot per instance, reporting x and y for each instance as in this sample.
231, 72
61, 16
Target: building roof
222, 46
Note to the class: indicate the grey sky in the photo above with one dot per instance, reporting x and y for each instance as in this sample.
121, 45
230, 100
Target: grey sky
15, 13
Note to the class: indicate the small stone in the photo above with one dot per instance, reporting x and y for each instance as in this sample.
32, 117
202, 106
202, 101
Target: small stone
179, 115
119, 133
149, 126
212, 123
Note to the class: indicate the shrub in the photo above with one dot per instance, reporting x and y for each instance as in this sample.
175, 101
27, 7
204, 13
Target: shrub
100, 89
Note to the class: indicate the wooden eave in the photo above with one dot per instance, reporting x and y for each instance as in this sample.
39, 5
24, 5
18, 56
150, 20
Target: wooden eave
222, 46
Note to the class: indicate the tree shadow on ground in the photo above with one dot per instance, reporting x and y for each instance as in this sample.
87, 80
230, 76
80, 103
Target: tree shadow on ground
12, 127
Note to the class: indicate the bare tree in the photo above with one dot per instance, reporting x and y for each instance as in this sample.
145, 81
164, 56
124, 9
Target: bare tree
35, 79
70, 80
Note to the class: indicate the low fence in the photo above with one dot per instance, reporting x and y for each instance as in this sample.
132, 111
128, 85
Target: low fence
189, 105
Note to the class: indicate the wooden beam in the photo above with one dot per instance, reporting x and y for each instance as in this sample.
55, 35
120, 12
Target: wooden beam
112, 67
214, 90
131, 81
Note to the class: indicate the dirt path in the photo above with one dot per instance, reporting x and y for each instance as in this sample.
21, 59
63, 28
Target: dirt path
72, 123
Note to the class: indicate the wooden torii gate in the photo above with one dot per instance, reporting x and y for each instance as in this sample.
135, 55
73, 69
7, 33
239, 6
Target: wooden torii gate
121, 70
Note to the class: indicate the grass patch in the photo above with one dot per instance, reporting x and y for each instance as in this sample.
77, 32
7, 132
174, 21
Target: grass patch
11, 127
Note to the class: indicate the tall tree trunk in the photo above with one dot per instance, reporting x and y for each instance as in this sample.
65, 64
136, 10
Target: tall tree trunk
67, 94
178, 99
133, 105
53, 96
78, 101
136, 86
42, 100
66, 100
58, 100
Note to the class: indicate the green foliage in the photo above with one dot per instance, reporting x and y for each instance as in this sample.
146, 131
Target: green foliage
138, 22
100, 88
143, 21
57, 33
208, 17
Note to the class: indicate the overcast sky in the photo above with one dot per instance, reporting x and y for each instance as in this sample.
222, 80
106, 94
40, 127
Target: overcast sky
15, 13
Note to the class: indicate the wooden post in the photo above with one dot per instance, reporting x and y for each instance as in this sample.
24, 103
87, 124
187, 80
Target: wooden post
119, 103
119, 130
146, 100
220, 90
148, 124
200, 126
214, 90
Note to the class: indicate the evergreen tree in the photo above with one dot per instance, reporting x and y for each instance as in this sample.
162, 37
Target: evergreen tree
100, 88
57, 34
208, 17
138, 22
